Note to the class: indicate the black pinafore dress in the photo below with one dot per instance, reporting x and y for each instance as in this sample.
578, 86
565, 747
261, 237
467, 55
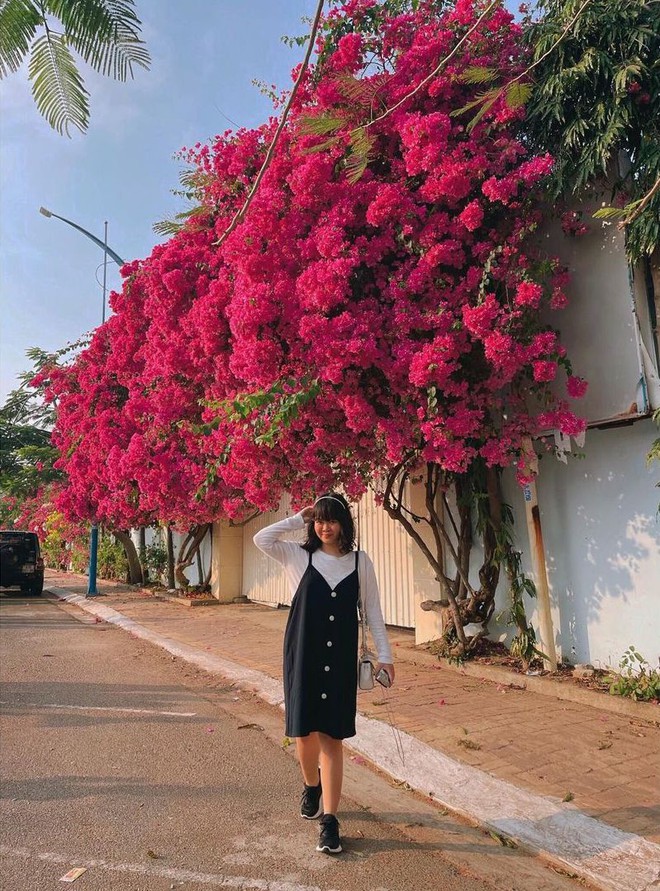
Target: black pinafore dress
320, 656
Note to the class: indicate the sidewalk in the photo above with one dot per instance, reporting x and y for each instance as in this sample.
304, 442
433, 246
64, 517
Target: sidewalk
574, 783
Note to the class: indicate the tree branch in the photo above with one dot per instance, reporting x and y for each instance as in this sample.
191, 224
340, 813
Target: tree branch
240, 215
640, 205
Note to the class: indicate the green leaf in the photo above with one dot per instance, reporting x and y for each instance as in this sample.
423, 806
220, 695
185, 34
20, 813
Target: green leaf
362, 91
171, 226
360, 150
609, 213
626, 73
57, 85
106, 33
477, 74
480, 100
361, 141
517, 94
18, 25
320, 125
355, 166
488, 104
321, 146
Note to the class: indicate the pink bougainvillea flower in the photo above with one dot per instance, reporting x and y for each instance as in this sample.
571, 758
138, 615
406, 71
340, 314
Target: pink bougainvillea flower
347, 324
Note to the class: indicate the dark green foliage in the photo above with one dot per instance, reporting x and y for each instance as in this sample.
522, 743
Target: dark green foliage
112, 562
26, 453
596, 101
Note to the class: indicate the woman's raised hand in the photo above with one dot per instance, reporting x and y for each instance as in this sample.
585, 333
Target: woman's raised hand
308, 514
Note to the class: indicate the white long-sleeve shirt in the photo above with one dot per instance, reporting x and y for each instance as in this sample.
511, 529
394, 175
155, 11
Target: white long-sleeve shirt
271, 540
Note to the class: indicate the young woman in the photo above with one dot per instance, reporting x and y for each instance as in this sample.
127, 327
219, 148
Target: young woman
321, 646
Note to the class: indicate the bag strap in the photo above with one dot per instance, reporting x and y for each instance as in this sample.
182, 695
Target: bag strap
361, 612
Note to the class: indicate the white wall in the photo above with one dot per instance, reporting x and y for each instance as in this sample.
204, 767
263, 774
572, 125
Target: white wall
263, 579
601, 531
606, 325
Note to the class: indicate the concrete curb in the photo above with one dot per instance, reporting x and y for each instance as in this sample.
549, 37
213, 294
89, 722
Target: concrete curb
605, 856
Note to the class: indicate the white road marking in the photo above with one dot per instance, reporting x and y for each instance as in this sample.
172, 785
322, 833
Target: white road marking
105, 708
180, 875
614, 860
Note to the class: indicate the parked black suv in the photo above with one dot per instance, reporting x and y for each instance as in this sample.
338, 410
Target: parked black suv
20, 561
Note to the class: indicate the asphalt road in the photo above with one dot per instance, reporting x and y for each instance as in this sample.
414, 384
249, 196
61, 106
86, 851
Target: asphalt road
150, 774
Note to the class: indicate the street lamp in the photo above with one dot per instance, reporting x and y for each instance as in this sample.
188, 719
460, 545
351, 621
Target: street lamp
107, 252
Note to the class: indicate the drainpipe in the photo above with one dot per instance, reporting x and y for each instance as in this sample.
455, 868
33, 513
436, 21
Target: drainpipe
537, 551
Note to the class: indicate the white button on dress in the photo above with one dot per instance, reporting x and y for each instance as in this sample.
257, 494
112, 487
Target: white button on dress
324, 695
329, 643
332, 618
333, 593
327, 668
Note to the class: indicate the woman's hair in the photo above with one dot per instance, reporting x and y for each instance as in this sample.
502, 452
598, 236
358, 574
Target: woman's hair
331, 506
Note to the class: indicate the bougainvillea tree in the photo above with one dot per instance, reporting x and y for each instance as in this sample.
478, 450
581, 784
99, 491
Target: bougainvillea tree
375, 319
388, 259
125, 406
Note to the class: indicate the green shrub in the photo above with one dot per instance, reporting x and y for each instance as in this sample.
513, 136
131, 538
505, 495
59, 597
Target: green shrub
156, 559
635, 679
111, 560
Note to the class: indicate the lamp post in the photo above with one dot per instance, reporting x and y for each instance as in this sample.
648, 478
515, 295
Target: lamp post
107, 252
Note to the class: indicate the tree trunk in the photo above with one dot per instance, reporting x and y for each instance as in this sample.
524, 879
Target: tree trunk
393, 503
477, 510
135, 576
200, 568
171, 580
188, 551
142, 551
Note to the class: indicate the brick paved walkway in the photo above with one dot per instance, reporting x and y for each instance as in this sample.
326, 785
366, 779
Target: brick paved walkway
608, 763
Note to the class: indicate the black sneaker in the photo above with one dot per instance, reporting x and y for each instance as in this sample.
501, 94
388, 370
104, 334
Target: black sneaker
310, 802
329, 841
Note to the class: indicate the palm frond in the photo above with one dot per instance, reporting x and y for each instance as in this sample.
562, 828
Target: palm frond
106, 33
57, 85
18, 25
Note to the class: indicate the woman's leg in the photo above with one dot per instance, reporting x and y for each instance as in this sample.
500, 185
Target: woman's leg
332, 771
308, 749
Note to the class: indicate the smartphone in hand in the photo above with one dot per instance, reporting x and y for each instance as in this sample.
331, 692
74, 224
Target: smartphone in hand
383, 678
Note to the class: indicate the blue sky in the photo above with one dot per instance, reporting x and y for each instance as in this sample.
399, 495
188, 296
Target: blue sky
205, 54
